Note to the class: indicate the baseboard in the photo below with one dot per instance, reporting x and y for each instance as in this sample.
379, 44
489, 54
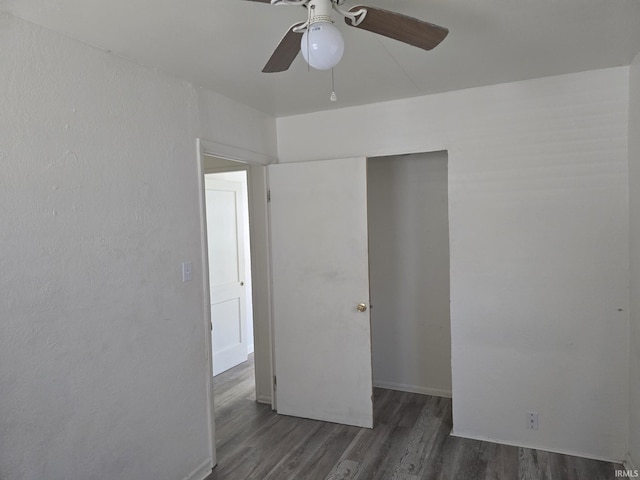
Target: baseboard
536, 447
629, 464
202, 472
263, 399
436, 392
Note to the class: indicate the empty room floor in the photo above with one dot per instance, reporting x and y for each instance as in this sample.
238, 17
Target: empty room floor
410, 441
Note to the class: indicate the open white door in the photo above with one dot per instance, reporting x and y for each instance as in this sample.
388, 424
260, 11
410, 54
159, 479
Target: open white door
320, 276
226, 269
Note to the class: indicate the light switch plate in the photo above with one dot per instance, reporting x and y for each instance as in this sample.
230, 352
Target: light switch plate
187, 274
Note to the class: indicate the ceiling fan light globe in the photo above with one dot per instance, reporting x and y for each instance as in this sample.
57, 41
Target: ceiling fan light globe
322, 46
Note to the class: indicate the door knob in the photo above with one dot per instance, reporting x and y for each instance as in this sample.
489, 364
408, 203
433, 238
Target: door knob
362, 307
242, 284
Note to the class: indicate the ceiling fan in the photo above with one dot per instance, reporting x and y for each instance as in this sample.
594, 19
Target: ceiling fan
321, 43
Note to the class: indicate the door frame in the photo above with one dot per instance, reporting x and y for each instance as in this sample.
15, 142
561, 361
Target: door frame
255, 165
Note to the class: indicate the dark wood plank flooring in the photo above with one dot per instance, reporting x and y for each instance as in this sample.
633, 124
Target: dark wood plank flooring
410, 441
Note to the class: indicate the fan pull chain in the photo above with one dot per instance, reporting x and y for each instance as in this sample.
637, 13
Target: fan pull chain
309, 17
333, 97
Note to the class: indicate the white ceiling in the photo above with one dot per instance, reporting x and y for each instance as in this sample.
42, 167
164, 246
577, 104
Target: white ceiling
223, 45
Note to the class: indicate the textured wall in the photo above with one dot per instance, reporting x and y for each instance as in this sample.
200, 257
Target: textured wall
102, 350
538, 219
634, 197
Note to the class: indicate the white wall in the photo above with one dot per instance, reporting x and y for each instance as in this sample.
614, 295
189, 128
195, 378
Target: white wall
634, 196
538, 217
409, 272
102, 347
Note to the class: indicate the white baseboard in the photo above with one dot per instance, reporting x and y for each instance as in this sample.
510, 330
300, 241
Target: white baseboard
436, 392
202, 472
536, 447
263, 399
628, 463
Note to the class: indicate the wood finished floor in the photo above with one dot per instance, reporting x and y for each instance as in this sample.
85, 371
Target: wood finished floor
410, 441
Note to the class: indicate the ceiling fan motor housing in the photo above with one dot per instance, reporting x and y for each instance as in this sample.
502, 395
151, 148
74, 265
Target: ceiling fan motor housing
320, 11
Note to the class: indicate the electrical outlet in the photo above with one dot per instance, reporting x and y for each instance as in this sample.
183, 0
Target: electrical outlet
532, 421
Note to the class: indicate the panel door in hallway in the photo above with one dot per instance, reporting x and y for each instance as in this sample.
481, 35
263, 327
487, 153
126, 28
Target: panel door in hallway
225, 237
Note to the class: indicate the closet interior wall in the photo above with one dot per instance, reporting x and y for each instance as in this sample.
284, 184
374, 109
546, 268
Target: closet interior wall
409, 272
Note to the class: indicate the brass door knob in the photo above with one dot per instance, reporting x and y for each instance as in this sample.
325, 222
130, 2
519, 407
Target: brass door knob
362, 307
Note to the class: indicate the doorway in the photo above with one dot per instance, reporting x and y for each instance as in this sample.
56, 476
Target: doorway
408, 222
227, 234
213, 157
229, 255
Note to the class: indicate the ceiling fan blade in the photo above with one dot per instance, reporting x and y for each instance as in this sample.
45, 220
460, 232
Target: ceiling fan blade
400, 27
261, 1
286, 51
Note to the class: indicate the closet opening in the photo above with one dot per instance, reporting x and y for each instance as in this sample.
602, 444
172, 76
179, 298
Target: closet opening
408, 225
